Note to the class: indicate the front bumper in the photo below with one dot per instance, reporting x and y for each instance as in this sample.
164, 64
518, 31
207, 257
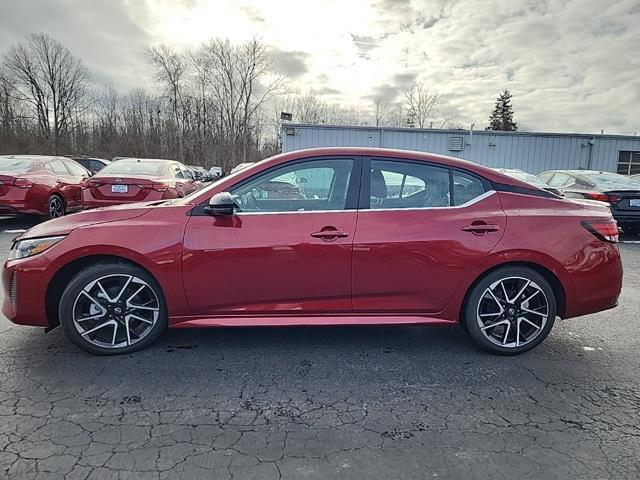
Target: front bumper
24, 283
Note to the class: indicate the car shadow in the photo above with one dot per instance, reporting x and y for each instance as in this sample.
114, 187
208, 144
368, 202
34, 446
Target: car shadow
309, 359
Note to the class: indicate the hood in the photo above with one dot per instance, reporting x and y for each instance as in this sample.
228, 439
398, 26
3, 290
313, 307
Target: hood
64, 225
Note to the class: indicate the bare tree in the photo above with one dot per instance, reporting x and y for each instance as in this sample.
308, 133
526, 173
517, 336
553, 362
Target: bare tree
51, 81
170, 69
421, 105
380, 111
240, 80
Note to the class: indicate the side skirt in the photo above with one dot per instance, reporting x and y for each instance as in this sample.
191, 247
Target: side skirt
283, 321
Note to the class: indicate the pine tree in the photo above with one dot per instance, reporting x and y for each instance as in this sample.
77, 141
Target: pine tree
502, 116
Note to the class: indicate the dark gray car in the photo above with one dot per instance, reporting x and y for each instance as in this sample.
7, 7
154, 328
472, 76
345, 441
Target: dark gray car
622, 193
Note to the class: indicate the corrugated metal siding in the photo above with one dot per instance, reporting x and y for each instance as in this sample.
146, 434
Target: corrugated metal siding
535, 152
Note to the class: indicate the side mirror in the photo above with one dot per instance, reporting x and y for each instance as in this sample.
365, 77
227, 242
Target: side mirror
221, 204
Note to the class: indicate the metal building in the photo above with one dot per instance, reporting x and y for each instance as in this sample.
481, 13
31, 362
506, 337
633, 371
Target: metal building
532, 152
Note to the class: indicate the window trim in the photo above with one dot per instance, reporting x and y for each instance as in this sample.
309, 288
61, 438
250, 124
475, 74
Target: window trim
353, 188
365, 184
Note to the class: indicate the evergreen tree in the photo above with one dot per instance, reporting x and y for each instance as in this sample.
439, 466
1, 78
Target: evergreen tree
502, 116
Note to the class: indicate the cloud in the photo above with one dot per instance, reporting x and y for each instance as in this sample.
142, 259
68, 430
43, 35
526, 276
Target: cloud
108, 36
570, 65
292, 64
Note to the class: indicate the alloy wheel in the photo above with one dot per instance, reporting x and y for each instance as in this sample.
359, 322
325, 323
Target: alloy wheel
512, 312
56, 207
116, 311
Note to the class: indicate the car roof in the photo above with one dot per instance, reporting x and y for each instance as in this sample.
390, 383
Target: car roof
486, 172
35, 158
135, 159
576, 172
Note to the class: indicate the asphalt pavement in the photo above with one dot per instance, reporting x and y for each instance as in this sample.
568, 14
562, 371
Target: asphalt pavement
326, 402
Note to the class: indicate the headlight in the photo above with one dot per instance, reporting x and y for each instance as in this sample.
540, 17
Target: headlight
32, 246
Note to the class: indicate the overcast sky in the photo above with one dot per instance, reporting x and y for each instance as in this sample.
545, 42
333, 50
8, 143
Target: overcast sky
571, 65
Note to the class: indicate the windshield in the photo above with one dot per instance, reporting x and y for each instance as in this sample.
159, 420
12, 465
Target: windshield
607, 180
16, 165
150, 168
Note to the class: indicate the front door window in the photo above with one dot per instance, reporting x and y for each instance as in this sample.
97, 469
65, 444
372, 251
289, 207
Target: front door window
305, 186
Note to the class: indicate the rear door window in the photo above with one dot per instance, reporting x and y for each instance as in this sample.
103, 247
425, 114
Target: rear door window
465, 188
560, 179
57, 167
75, 168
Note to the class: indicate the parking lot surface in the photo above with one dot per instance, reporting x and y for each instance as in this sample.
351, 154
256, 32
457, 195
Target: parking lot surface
318, 403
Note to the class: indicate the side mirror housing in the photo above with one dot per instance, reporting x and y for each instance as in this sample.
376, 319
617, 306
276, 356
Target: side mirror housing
221, 205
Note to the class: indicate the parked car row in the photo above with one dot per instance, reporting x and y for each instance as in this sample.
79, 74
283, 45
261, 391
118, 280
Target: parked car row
54, 186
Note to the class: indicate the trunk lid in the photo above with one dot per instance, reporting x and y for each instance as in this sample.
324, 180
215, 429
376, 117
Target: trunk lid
118, 188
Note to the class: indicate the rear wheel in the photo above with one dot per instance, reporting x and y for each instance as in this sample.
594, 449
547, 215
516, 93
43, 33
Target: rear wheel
55, 207
511, 310
112, 308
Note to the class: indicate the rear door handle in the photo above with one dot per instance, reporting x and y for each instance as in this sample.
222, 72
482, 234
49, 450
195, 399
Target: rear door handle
480, 228
329, 234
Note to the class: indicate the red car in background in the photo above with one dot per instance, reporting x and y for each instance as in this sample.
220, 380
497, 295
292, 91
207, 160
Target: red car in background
40, 185
138, 180
374, 236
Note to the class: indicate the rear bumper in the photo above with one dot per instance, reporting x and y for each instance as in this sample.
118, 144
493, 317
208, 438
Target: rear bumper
626, 217
593, 280
18, 207
89, 201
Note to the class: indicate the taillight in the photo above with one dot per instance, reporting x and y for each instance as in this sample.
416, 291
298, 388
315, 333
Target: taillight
91, 182
606, 230
603, 197
22, 183
158, 187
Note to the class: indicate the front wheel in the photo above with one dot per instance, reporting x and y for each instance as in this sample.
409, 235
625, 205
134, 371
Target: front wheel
511, 310
112, 308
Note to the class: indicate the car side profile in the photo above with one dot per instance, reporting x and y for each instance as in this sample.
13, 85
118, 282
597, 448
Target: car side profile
371, 237
132, 180
40, 185
620, 192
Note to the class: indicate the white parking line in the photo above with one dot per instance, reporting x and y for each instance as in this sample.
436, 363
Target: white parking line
14, 231
629, 241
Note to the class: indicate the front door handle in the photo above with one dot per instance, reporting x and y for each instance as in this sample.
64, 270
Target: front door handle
480, 228
329, 234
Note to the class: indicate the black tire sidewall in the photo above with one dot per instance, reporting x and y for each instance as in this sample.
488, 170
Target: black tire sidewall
470, 323
91, 273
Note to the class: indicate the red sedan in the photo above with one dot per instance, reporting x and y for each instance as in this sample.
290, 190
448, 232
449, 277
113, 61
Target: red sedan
136, 180
39, 185
374, 236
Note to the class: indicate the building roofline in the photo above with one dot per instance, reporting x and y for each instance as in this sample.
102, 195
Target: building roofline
457, 131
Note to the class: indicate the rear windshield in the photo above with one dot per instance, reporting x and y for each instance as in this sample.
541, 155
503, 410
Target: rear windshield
150, 168
612, 180
16, 165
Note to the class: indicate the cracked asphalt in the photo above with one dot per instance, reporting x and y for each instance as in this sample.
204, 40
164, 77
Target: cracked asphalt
319, 403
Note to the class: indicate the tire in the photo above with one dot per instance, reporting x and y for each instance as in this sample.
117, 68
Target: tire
499, 332
55, 207
125, 299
